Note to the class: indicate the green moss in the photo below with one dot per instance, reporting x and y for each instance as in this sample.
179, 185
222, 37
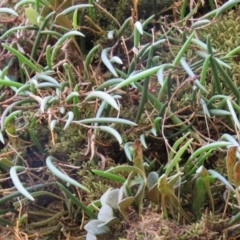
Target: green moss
97, 185
225, 36
68, 144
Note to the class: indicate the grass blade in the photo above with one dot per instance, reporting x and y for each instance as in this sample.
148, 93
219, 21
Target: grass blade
77, 202
22, 58
137, 77
111, 176
183, 50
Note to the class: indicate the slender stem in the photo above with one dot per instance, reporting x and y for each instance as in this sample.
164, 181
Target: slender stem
145, 87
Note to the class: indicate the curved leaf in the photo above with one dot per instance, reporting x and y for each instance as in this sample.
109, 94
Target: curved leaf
61, 175
105, 96
221, 178
107, 63
73, 8
200, 23
9, 11
69, 116
17, 183
226, 6
116, 59
21, 57
45, 102
139, 27
106, 120
113, 132
62, 40
137, 77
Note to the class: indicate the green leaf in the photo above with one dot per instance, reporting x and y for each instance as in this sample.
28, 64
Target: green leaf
77, 202
111, 176
143, 140
204, 175
137, 77
200, 23
15, 29
22, 58
229, 4
61, 175
221, 178
152, 179
116, 59
69, 116
105, 96
112, 198
62, 40
109, 82
44, 103
105, 214
47, 78
200, 195
10, 118
107, 62
5, 164
183, 50
1, 137
177, 157
73, 8
113, 132
207, 147
106, 120
17, 183
124, 205
89, 58
10, 196
20, 3
153, 194
128, 151
139, 27
127, 169
36, 194
9, 11
70, 97
35, 140
233, 114
32, 15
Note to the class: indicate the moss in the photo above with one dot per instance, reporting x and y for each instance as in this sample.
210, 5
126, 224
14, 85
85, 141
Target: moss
97, 185
152, 226
225, 36
68, 144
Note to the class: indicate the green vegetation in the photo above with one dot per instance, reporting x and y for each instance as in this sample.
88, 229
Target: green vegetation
119, 124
